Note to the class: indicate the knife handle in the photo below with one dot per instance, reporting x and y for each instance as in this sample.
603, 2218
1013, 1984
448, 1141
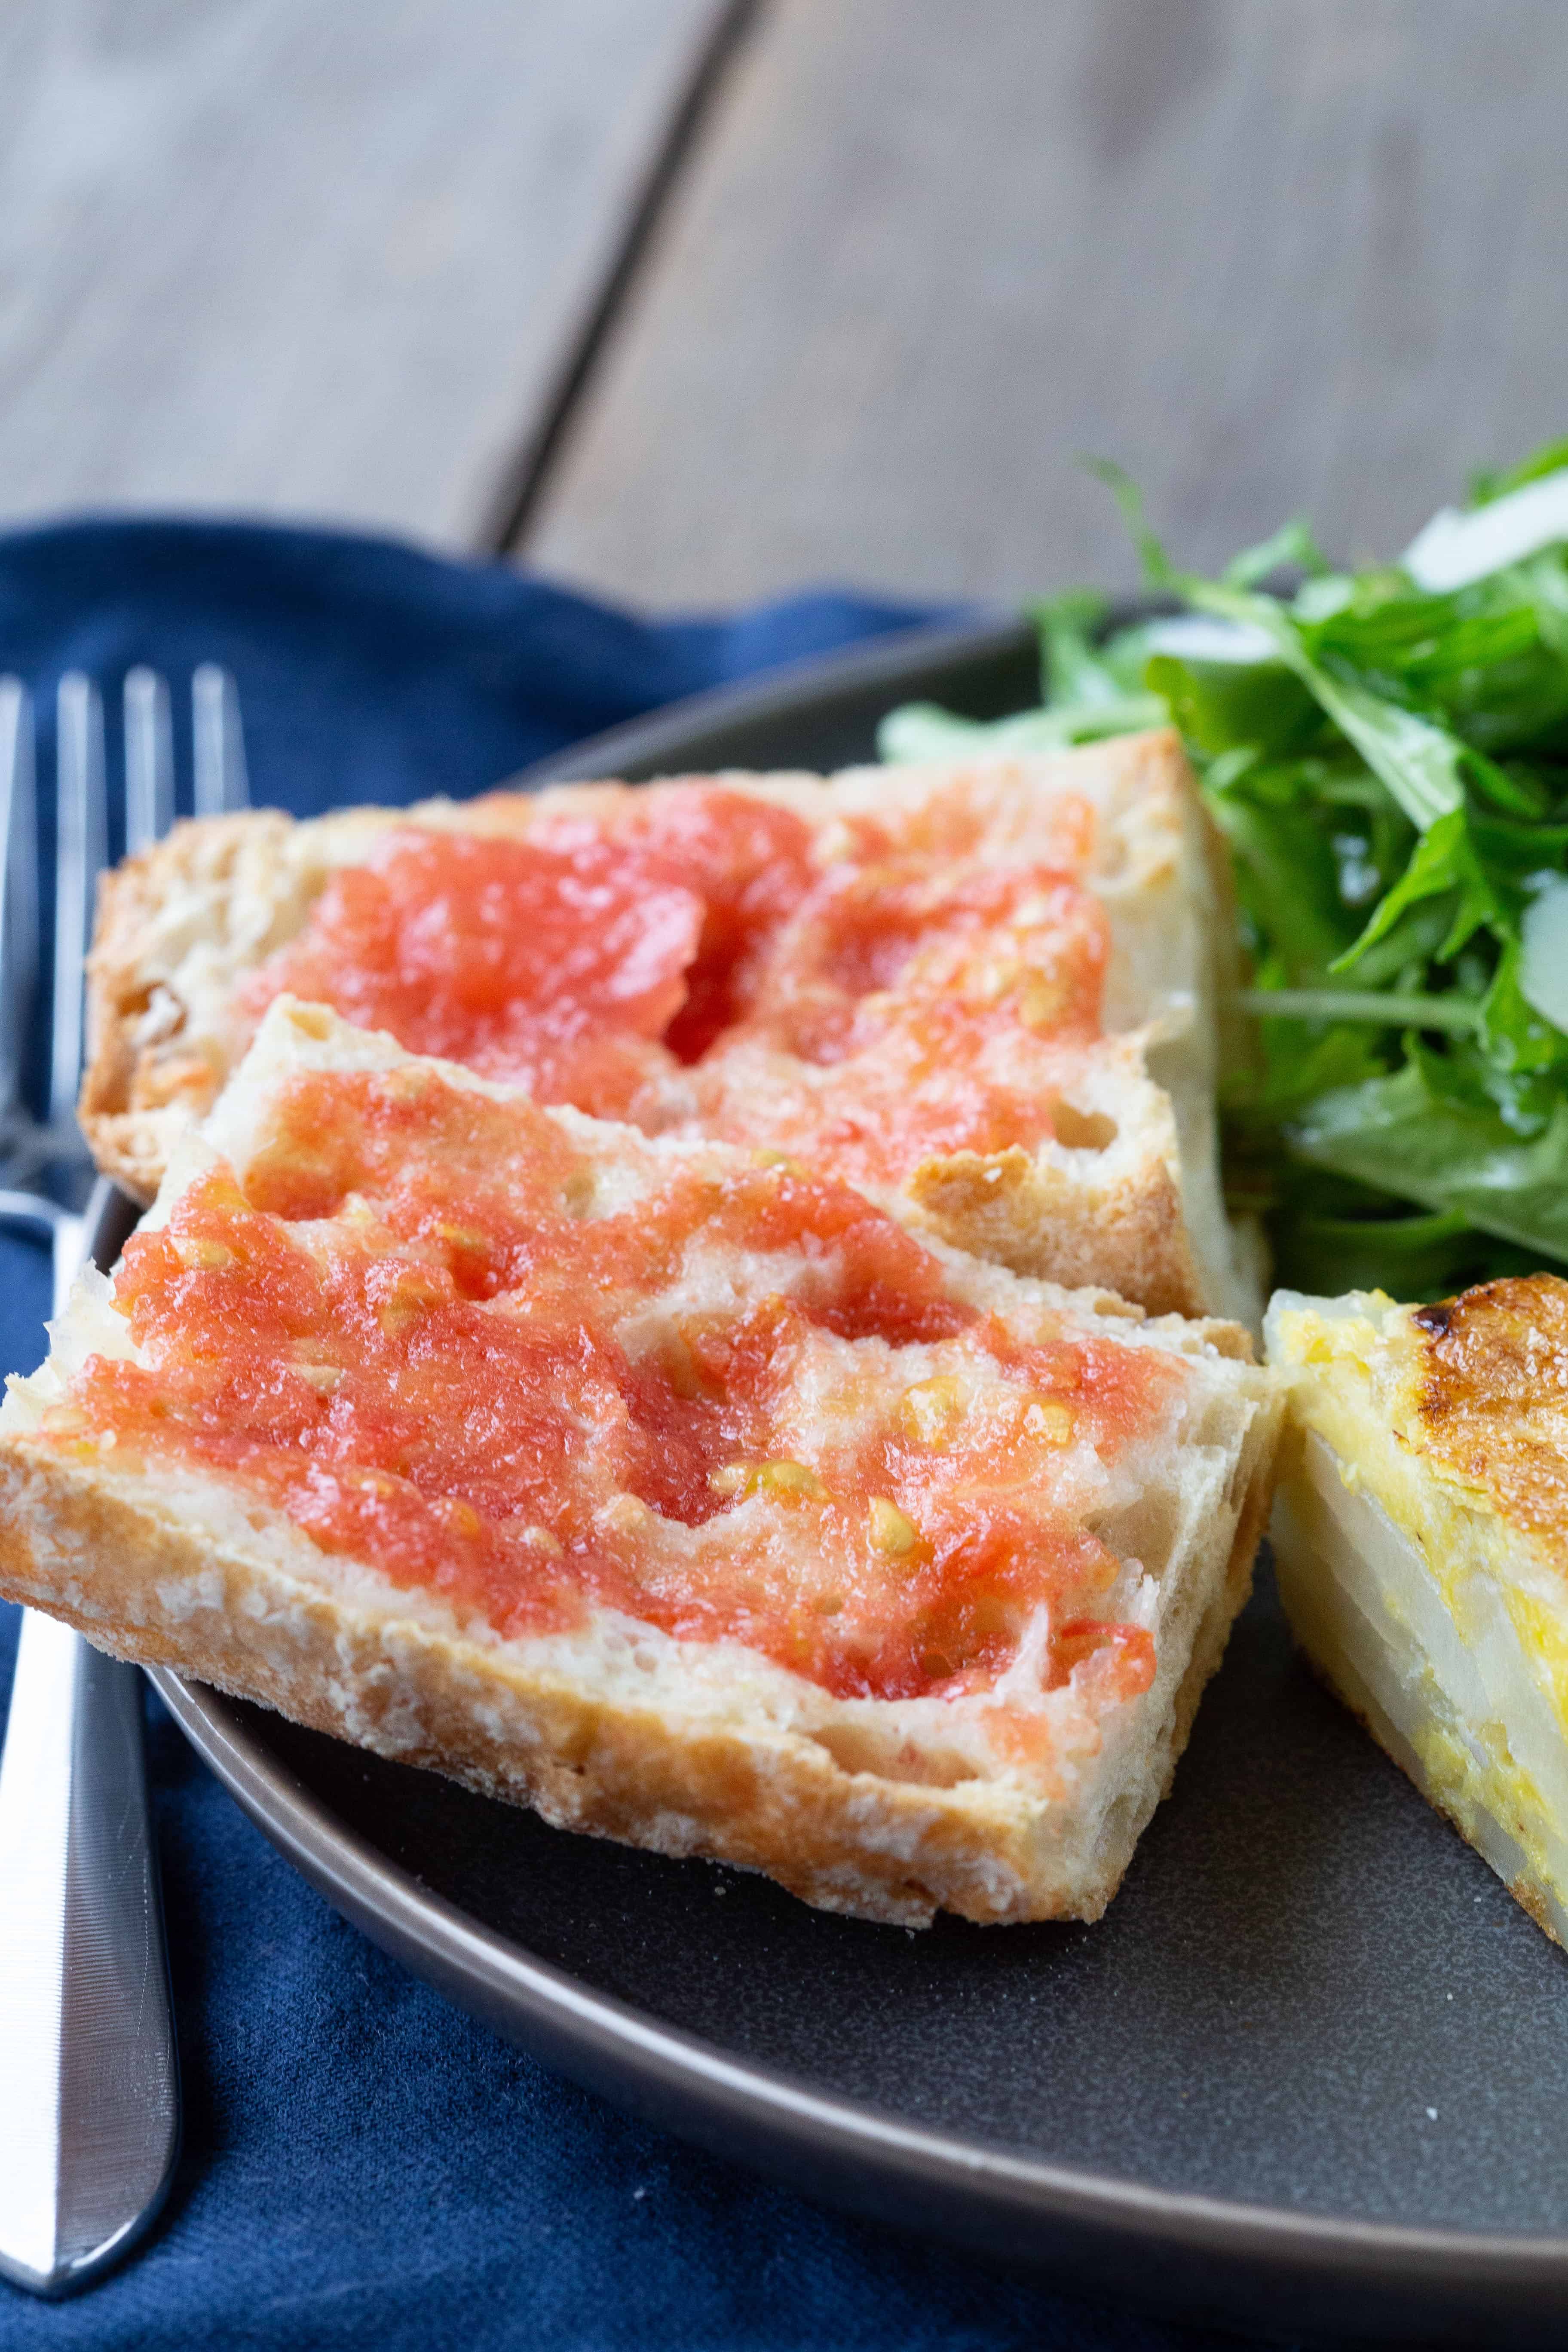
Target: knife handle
90, 2105
89, 2090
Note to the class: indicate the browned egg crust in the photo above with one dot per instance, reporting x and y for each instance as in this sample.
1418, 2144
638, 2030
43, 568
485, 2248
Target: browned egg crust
1492, 1398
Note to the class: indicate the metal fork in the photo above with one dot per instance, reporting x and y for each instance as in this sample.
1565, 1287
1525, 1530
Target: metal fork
90, 2106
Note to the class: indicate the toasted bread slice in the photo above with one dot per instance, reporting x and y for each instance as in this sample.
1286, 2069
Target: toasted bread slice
691, 1500
1421, 1538
1030, 1072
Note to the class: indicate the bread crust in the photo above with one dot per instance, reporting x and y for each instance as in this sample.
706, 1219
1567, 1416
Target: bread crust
138, 1583
234, 888
182, 925
1015, 1209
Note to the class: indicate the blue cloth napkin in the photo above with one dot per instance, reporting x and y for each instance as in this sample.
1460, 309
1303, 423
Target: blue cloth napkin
364, 2166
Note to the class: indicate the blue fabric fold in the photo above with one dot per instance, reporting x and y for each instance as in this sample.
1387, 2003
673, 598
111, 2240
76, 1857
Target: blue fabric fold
364, 2166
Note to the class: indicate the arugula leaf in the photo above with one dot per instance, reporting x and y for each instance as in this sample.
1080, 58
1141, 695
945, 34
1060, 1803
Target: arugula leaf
1552, 459
1074, 669
1218, 705
1288, 882
1421, 764
1385, 753
1292, 545
1396, 1132
1518, 1035
1443, 864
1301, 1060
1455, 1015
920, 730
1546, 579
1414, 1257
1152, 554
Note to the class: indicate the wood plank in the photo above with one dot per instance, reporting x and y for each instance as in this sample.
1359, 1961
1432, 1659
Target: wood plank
1269, 258
328, 262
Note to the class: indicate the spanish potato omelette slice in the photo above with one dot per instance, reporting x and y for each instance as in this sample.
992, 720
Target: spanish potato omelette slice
1421, 1531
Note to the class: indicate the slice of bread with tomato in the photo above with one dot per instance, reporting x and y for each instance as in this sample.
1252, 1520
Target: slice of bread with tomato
986, 992
657, 1483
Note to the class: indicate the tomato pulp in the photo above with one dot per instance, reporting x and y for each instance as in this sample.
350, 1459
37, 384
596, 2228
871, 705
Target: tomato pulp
686, 963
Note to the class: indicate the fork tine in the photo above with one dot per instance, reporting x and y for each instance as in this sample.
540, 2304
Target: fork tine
81, 850
221, 784
237, 774
19, 890
149, 759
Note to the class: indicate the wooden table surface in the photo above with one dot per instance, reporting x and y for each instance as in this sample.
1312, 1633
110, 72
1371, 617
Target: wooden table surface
693, 300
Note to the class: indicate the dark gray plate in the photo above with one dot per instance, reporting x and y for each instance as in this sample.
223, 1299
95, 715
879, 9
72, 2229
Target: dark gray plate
1310, 2071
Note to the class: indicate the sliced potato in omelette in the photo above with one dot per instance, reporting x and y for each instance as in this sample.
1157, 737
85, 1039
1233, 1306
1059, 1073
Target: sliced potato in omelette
1421, 1530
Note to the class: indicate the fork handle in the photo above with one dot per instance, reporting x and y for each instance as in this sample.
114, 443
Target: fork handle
88, 2072
67, 1247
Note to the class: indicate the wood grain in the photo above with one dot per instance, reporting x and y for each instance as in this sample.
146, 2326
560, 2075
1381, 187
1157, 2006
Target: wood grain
1301, 255
307, 260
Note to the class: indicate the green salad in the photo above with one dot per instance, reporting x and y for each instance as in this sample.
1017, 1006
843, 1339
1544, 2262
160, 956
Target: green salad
1386, 753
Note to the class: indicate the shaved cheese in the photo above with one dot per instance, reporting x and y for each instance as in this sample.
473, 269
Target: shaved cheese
1543, 966
1456, 548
